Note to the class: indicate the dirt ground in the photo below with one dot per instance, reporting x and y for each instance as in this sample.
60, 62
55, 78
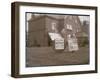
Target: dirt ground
46, 56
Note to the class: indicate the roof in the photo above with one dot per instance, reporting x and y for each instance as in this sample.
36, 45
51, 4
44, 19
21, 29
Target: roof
44, 16
54, 36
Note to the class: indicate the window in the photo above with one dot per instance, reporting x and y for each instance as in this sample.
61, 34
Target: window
68, 26
53, 26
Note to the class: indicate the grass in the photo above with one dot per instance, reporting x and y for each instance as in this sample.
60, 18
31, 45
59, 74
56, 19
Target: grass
46, 56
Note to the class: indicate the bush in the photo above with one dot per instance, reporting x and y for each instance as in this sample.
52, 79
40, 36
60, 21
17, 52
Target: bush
83, 41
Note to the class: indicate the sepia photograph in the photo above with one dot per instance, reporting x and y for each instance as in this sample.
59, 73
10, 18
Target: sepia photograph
52, 39
56, 39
